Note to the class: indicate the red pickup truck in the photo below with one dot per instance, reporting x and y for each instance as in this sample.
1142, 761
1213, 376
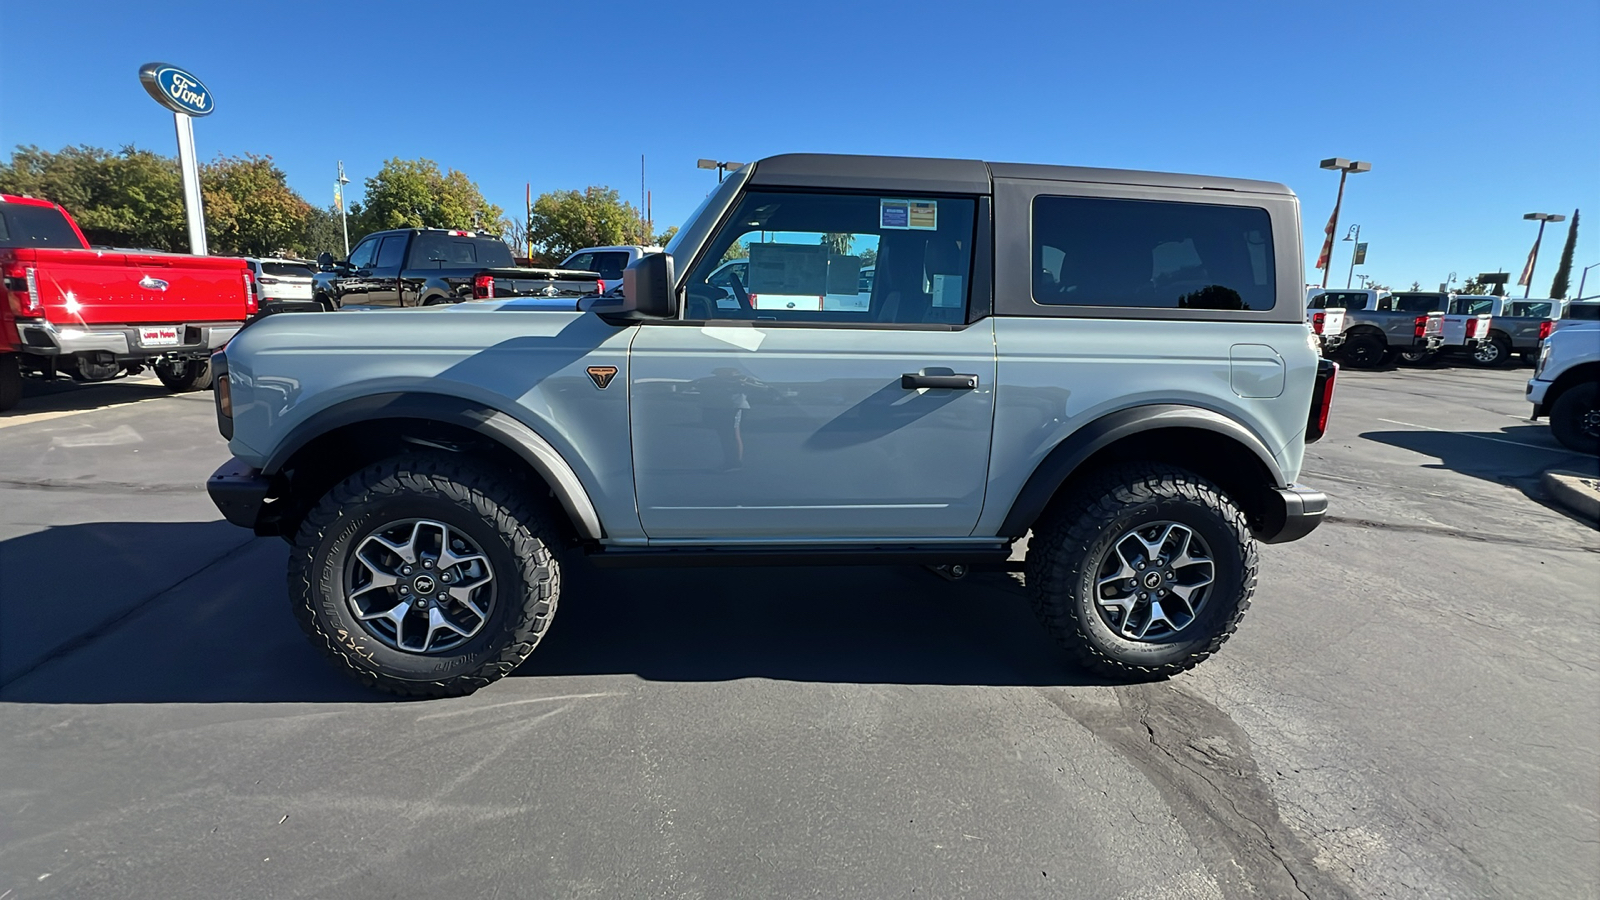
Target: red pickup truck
94, 313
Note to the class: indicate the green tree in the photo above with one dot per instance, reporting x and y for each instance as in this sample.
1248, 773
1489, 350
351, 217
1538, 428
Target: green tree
665, 237
413, 193
130, 198
838, 243
249, 208
564, 221
1475, 287
1563, 280
322, 232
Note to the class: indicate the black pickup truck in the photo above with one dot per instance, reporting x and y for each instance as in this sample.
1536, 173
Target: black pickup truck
427, 266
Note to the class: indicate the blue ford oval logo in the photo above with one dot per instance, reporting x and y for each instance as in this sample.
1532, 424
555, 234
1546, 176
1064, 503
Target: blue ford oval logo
176, 89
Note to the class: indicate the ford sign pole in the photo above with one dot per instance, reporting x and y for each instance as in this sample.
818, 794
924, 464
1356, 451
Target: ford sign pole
187, 97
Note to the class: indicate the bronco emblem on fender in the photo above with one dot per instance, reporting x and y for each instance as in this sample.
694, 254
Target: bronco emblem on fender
602, 375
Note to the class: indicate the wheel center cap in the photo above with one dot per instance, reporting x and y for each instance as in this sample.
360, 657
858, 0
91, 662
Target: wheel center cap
1152, 580
423, 584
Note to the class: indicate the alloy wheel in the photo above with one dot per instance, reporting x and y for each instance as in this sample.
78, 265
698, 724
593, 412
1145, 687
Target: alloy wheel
1153, 581
420, 586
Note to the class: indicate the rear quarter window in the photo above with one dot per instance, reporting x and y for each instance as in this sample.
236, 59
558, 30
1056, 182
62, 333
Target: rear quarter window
1093, 251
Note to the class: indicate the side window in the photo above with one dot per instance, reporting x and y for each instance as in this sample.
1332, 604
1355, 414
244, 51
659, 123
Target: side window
610, 265
391, 251
494, 253
864, 258
1091, 251
361, 256
583, 262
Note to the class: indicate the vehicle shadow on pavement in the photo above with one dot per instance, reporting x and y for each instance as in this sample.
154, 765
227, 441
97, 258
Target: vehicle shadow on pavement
887, 625
1516, 451
65, 395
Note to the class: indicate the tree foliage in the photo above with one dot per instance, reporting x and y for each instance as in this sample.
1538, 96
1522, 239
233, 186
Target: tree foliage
250, 210
322, 233
665, 237
1563, 279
130, 198
413, 193
564, 221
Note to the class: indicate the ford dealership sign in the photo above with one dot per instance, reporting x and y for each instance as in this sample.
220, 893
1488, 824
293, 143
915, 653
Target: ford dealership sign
176, 89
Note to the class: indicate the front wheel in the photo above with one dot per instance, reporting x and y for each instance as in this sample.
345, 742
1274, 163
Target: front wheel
183, 375
426, 576
1575, 419
1143, 572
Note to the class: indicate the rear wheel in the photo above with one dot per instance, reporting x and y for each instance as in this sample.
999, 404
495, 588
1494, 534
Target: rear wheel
185, 374
1364, 351
1142, 572
1575, 419
10, 381
1494, 352
1417, 357
426, 575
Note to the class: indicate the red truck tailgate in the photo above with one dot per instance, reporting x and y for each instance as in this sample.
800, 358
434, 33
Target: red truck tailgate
96, 287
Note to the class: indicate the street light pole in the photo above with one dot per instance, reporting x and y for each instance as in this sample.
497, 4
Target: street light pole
1533, 257
344, 220
1355, 230
1584, 279
722, 167
1345, 167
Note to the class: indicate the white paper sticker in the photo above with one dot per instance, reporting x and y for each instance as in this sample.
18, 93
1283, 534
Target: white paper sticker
923, 215
947, 293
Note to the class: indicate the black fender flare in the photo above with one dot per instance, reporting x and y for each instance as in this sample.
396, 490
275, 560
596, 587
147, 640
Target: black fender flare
1059, 464
492, 423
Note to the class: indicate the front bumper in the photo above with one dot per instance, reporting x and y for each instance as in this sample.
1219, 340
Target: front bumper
1291, 514
241, 493
1535, 393
40, 337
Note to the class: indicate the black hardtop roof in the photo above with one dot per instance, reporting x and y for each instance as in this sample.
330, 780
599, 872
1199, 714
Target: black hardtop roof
965, 176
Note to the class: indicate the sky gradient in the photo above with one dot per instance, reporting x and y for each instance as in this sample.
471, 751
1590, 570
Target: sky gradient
1471, 113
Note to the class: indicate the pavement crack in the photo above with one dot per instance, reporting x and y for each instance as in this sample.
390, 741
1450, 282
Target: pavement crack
1447, 531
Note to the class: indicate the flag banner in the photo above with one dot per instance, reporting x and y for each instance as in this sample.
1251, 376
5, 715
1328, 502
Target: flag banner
1361, 254
1527, 269
1327, 241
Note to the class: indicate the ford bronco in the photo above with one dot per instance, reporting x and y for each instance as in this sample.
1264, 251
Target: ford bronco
1113, 362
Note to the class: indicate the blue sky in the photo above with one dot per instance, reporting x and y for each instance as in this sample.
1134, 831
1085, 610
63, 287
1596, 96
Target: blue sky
1472, 113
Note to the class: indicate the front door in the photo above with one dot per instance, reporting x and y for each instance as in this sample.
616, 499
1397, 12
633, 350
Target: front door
791, 405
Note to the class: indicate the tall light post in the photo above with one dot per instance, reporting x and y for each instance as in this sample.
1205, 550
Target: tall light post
1358, 255
723, 168
1533, 256
1345, 167
343, 220
1583, 280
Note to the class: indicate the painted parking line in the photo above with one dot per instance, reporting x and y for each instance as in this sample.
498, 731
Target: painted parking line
1481, 437
30, 418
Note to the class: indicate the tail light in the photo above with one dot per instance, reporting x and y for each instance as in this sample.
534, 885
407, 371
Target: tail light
1321, 400
1316, 321
252, 303
483, 287
22, 283
1421, 326
600, 286
1472, 327
1545, 328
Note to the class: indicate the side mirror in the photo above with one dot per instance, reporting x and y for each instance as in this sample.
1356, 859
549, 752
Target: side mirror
325, 261
648, 288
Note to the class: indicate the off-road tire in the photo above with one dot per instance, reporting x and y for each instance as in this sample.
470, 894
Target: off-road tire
10, 381
1572, 418
1493, 353
514, 529
1078, 528
185, 375
1363, 351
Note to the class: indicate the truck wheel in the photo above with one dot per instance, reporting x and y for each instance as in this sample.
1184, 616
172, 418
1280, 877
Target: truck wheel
1575, 419
425, 576
1493, 353
1417, 357
10, 381
1364, 351
185, 374
1143, 572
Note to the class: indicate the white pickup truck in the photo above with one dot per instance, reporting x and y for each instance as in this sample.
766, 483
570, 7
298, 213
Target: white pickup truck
1566, 383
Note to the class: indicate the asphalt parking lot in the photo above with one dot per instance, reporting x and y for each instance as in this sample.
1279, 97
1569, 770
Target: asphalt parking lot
1411, 709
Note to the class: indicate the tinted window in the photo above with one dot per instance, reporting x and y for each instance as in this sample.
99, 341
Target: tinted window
1142, 253
580, 262
1585, 311
286, 270
803, 257
494, 254
1415, 303
361, 256
1471, 306
1340, 300
391, 251
35, 226
610, 264
1534, 310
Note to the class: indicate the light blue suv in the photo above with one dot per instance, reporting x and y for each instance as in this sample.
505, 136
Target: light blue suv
1114, 362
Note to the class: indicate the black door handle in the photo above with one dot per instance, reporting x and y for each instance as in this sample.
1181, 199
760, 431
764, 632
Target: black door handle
913, 380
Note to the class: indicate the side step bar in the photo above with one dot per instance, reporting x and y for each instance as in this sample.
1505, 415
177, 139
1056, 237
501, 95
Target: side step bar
974, 555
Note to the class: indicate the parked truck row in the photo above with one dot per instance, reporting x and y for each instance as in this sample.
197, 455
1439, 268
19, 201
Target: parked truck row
1368, 328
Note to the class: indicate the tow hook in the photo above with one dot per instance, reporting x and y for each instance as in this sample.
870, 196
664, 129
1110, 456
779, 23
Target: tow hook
949, 573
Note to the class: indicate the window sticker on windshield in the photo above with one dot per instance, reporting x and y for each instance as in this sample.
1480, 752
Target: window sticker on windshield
947, 292
924, 215
895, 214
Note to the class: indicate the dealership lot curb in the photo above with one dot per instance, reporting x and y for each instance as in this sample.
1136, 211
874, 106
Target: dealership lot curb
1577, 491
